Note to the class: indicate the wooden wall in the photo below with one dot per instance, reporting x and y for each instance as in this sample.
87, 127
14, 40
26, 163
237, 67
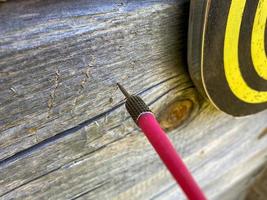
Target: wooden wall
64, 131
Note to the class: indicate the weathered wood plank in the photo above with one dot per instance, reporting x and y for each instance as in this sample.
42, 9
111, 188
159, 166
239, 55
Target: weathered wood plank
258, 189
60, 62
217, 156
107, 128
64, 131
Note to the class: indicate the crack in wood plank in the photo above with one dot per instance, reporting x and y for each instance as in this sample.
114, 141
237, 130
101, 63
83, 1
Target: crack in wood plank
78, 127
52, 95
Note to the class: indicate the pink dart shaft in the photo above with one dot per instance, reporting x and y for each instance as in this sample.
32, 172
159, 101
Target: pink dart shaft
161, 143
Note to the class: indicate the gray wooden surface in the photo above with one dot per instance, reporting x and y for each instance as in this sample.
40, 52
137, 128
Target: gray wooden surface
258, 188
65, 133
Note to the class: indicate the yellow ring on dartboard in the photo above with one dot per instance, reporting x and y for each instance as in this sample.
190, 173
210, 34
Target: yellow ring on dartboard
231, 64
258, 53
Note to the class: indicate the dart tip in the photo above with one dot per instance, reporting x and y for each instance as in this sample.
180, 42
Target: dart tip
122, 89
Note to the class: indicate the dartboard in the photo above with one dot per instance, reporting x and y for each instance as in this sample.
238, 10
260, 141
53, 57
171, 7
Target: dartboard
227, 46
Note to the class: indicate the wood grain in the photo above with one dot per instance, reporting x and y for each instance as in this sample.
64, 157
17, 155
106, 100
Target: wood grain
65, 133
60, 69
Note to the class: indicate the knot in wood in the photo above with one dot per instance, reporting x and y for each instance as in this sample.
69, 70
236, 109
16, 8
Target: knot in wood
175, 113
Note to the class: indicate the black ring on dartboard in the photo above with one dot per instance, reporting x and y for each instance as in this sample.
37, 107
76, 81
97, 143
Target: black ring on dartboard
244, 50
265, 38
213, 64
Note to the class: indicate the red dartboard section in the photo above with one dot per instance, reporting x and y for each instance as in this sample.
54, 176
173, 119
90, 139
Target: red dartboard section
227, 45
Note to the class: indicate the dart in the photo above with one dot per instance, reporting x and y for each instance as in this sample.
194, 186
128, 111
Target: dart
160, 141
